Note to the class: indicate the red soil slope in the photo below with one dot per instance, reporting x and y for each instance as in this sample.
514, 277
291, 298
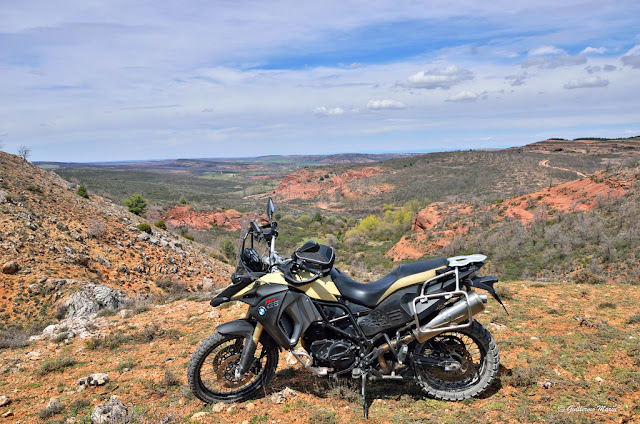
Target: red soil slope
312, 183
184, 215
436, 225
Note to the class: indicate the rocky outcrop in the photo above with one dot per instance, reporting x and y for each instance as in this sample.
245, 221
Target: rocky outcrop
88, 302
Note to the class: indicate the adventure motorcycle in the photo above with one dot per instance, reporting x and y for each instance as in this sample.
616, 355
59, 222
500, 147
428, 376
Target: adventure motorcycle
416, 323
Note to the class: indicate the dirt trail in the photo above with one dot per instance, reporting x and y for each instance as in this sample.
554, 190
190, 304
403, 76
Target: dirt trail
545, 163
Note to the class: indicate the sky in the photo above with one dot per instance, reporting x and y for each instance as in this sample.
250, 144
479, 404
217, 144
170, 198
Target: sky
92, 80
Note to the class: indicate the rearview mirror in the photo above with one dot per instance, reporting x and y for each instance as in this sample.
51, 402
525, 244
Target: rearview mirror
270, 209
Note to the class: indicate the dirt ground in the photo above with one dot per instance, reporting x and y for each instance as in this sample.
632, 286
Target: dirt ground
569, 354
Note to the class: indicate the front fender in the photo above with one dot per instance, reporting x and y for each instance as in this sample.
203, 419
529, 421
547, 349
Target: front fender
239, 327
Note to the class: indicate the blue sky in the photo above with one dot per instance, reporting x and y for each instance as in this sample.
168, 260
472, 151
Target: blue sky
124, 80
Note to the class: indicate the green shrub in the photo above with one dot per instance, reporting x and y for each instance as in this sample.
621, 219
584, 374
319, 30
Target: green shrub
160, 224
228, 249
57, 364
188, 236
136, 204
170, 379
145, 227
82, 192
54, 407
586, 277
323, 416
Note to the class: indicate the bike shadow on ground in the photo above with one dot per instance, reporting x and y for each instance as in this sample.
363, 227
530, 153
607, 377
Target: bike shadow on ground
349, 389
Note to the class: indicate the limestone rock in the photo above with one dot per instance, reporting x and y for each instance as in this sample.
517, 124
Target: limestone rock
198, 416
283, 395
97, 379
94, 298
4, 400
113, 411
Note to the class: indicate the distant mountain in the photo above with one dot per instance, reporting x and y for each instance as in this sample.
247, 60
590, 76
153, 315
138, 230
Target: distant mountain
340, 158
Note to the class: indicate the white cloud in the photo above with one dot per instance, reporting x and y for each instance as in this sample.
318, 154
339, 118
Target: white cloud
323, 111
517, 79
463, 96
590, 82
598, 50
385, 104
552, 62
632, 58
439, 78
546, 50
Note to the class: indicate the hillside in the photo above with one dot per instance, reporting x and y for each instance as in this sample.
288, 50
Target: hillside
573, 230
55, 242
615, 148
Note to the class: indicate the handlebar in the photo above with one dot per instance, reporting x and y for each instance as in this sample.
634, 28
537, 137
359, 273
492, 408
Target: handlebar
290, 278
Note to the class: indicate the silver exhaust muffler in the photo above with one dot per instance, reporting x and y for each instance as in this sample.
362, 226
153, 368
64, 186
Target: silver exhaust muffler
448, 318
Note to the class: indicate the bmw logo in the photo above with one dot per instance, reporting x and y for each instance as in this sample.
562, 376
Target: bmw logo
262, 310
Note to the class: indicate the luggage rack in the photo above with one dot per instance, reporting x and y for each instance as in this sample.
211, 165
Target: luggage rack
456, 262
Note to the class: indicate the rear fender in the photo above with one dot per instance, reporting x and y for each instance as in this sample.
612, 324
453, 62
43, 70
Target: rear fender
486, 283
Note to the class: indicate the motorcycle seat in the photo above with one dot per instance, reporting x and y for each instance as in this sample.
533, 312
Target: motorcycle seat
370, 294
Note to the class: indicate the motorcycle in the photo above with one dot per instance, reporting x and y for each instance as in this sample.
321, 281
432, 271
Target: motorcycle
416, 323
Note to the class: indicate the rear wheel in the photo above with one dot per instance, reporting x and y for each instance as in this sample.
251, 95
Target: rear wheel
211, 372
474, 359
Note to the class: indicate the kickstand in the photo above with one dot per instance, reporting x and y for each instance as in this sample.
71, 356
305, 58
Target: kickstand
364, 399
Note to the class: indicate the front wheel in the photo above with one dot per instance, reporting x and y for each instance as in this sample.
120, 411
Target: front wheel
474, 355
211, 371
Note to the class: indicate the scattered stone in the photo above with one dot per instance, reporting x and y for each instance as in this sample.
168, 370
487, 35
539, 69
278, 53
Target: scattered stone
82, 260
54, 405
111, 412
214, 314
218, 407
97, 379
207, 284
198, 416
545, 384
250, 407
10, 268
534, 338
103, 261
4, 400
7, 414
599, 379
291, 360
34, 288
283, 395
126, 313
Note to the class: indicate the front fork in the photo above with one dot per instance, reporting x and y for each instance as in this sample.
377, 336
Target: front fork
248, 352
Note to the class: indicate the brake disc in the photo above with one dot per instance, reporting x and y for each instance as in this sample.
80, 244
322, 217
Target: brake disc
457, 351
226, 372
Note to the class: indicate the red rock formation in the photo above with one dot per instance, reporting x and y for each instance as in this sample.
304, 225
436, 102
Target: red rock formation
183, 215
